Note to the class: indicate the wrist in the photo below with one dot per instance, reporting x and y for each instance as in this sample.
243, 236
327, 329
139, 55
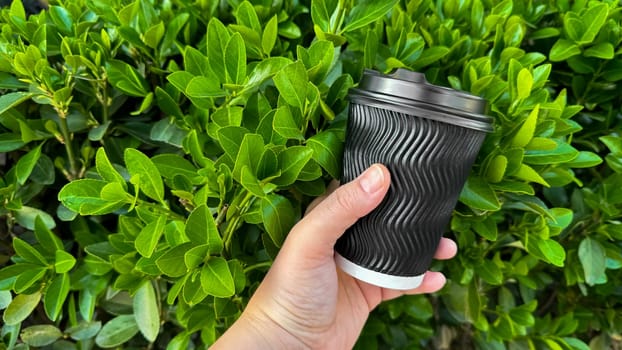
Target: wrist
253, 331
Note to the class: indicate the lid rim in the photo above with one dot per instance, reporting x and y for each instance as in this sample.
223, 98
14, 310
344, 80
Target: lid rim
422, 112
412, 86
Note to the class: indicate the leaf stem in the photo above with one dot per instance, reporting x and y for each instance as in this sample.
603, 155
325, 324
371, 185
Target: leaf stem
105, 106
64, 129
221, 214
257, 266
236, 217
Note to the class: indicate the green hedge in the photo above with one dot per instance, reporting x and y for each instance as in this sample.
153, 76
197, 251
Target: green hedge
156, 153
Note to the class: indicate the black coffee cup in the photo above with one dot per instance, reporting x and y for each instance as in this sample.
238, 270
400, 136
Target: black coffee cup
428, 136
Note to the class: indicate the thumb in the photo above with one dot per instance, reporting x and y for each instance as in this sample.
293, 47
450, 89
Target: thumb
317, 232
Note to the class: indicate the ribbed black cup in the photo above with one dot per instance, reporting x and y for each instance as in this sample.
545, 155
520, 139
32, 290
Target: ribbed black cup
428, 137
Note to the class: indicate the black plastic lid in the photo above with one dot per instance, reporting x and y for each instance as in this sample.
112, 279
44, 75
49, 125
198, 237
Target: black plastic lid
405, 89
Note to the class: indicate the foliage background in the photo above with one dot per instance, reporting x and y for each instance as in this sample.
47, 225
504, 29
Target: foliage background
155, 154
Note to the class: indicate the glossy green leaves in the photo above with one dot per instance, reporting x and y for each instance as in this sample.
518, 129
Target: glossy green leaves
185, 140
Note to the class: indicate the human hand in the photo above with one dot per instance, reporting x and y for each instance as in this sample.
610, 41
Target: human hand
305, 301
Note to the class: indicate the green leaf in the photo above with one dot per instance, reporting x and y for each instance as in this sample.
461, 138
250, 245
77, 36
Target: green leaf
26, 279
169, 262
487, 228
230, 116
193, 292
20, 308
562, 218
366, 12
117, 331
166, 102
106, 170
563, 153
146, 311
230, 139
169, 165
573, 26
292, 84
291, 162
239, 277
28, 252
10, 142
490, 272
216, 278
5, 299
371, 49
339, 89
173, 27
235, 59
524, 84
268, 38
154, 35
249, 154
576, 344
250, 183
55, 296
527, 173
285, 125
246, 15
526, 131
204, 87
563, 49
478, 194
217, 39
496, 168
13, 99
115, 193
180, 80
150, 180
321, 15
268, 164
585, 159
593, 20
62, 18
63, 262
540, 143
149, 236
614, 143
278, 216
543, 33
26, 217
430, 55
17, 10
327, 150
593, 259
123, 77
318, 59
84, 330
41, 335
522, 317
263, 71
26, 164
195, 256
463, 302
552, 251
166, 130
201, 229
98, 132
604, 51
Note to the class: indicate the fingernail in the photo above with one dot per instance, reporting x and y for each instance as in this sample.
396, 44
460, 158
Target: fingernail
372, 179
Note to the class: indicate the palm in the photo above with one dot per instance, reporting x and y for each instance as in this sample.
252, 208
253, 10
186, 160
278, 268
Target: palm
305, 301
323, 307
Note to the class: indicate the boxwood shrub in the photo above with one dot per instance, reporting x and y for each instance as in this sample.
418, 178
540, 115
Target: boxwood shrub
155, 155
